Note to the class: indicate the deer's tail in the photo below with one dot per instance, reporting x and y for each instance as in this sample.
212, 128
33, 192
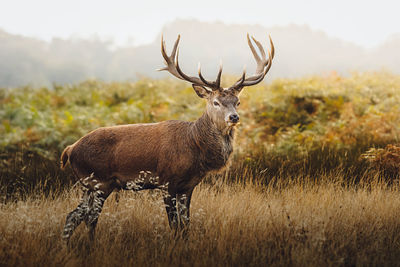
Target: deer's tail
65, 157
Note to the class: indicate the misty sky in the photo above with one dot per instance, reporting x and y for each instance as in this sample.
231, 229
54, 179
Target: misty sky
363, 22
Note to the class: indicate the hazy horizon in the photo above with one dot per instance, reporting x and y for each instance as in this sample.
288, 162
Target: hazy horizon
46, 42
364, 23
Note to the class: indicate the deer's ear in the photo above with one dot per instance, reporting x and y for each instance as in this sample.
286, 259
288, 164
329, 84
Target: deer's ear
201, 91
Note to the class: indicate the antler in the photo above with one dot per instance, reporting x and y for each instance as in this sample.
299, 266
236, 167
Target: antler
263, 65
172, 67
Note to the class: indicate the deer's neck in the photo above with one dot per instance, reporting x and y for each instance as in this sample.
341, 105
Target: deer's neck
215, 145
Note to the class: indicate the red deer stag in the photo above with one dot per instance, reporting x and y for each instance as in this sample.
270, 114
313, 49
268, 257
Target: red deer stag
173, 155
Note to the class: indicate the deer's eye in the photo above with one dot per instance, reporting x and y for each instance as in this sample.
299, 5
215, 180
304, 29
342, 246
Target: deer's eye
216, 104
237, 104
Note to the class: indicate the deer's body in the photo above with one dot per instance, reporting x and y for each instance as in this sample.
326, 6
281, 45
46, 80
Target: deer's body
170, 155
178, 152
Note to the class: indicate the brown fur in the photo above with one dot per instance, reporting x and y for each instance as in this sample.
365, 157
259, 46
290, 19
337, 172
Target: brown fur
179, 152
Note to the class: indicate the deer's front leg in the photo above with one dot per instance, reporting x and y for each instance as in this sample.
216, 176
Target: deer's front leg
183, 201
170, 206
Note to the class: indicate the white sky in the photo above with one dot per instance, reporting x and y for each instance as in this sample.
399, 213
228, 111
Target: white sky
363, 22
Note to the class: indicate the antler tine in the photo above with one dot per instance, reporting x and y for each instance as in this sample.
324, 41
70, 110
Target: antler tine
175, 47
260, 62
169, 60
216, 84
239, 82
248, 82
266, 61
173, 67
210, 84
183, 75
272, 46
253, 50
263, 62
164, 54
263, 65
191, 79
259, 45
218, 80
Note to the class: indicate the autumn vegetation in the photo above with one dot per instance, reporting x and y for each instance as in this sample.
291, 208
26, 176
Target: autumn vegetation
314, 179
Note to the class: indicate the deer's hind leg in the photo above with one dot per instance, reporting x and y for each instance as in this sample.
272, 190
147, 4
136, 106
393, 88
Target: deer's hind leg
75, 217
98, 196
89, 209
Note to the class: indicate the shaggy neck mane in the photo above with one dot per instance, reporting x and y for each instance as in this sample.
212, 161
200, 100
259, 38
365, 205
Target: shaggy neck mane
214, 145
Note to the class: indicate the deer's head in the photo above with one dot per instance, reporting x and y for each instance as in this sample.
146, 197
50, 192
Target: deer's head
221, 102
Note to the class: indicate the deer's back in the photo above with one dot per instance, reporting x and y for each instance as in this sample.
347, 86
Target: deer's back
123, 151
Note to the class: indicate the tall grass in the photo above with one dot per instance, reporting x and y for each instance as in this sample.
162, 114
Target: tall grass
301, 223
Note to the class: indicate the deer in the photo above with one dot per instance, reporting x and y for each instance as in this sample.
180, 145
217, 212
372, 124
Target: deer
172, 155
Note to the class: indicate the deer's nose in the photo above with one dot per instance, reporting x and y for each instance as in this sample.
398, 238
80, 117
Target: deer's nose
234, 118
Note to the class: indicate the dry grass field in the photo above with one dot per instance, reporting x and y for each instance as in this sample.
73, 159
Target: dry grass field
296, 223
